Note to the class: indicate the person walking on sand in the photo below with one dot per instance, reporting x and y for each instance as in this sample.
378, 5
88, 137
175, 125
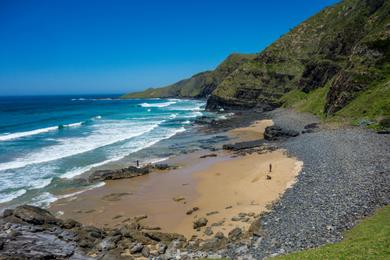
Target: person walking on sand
270, 167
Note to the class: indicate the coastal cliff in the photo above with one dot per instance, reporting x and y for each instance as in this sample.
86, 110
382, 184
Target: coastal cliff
331, 64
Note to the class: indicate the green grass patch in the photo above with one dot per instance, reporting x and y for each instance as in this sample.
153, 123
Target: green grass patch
370, 239
312, 102
372, 104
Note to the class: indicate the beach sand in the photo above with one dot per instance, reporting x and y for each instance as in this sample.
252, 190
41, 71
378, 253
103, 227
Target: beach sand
221, 187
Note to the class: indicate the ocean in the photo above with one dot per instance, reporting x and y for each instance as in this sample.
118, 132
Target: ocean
47, 141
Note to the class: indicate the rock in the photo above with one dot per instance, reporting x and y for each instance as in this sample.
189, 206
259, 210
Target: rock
108, 243
219, 235
140, 217
163, 166
136, 235
34, 215
178, 198
311, 126
166, 238
242, 145
136, 248
146, 251
200, 222
208, 155
274, 133
161, 247
269, 177
383, 132
212, 213
235, 234
129, 172
71, 223
208, 231
189, 212
218, 224
236, 218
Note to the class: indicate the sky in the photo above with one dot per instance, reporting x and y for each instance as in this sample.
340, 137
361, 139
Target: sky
101, 47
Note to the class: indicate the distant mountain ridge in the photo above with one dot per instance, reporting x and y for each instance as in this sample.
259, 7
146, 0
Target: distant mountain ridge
328, 65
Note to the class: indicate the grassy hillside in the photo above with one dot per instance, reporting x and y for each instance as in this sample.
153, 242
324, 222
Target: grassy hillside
335, 64
200, 85
370, 239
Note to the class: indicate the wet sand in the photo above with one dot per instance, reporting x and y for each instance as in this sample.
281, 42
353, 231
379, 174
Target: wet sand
221, 187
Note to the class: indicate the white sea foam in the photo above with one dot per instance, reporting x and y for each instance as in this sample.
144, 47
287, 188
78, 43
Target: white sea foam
11, 136
27, 133
102, 135
137, 146
10, 196
164, 104
46, 198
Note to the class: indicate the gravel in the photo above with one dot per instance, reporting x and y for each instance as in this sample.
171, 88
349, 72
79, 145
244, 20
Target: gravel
346, 176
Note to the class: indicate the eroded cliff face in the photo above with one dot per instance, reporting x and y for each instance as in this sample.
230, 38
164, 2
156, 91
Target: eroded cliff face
345, 46
343, 49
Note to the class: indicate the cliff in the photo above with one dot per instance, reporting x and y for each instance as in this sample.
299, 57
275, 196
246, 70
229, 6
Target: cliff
336, 63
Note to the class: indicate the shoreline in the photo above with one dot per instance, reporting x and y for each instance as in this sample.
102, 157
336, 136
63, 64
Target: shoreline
209, 184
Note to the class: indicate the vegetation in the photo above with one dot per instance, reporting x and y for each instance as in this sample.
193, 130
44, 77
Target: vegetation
336, 65
370, 239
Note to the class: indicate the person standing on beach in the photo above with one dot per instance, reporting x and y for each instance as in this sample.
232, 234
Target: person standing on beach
270, 167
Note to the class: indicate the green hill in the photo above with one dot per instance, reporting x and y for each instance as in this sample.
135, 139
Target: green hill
335, 64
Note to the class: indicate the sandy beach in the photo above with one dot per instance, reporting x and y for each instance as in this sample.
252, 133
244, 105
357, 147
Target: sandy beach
229, 190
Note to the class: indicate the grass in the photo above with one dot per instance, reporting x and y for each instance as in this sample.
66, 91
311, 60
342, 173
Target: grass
372, 104
370, 239
312, 102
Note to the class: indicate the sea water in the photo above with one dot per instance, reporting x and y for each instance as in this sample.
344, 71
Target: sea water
47, 140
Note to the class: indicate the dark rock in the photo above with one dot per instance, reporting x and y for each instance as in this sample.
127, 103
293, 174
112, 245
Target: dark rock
243, 145
219, 235
71, 223
129, 172
273, 133
137, 248
383, 132
166, 238
208, 231
200, 222
212, 213
163, 166
189, 212
34, 215
145, 251
208, 155
311, 126
235, 234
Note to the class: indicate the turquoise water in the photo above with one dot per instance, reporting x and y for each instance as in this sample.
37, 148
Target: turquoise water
45, 141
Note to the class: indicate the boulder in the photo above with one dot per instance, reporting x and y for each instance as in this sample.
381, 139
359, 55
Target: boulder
33, 215
129, 172
274, 133
200, 222
235, 234
165, 238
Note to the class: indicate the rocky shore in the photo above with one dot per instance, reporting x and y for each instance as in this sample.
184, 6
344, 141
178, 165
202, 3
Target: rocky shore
345, 177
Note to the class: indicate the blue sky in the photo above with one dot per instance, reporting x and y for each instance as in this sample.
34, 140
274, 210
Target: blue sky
85, 47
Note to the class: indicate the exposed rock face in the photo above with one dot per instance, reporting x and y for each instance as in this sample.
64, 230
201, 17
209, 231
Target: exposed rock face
129, 172
273, 133
343, 49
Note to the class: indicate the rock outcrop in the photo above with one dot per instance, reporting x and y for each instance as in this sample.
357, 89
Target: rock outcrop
343, 50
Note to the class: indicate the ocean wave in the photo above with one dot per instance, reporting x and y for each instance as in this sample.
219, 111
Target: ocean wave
46, 198
102, 136
5, 197
12, 136
164, 104
80, 170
